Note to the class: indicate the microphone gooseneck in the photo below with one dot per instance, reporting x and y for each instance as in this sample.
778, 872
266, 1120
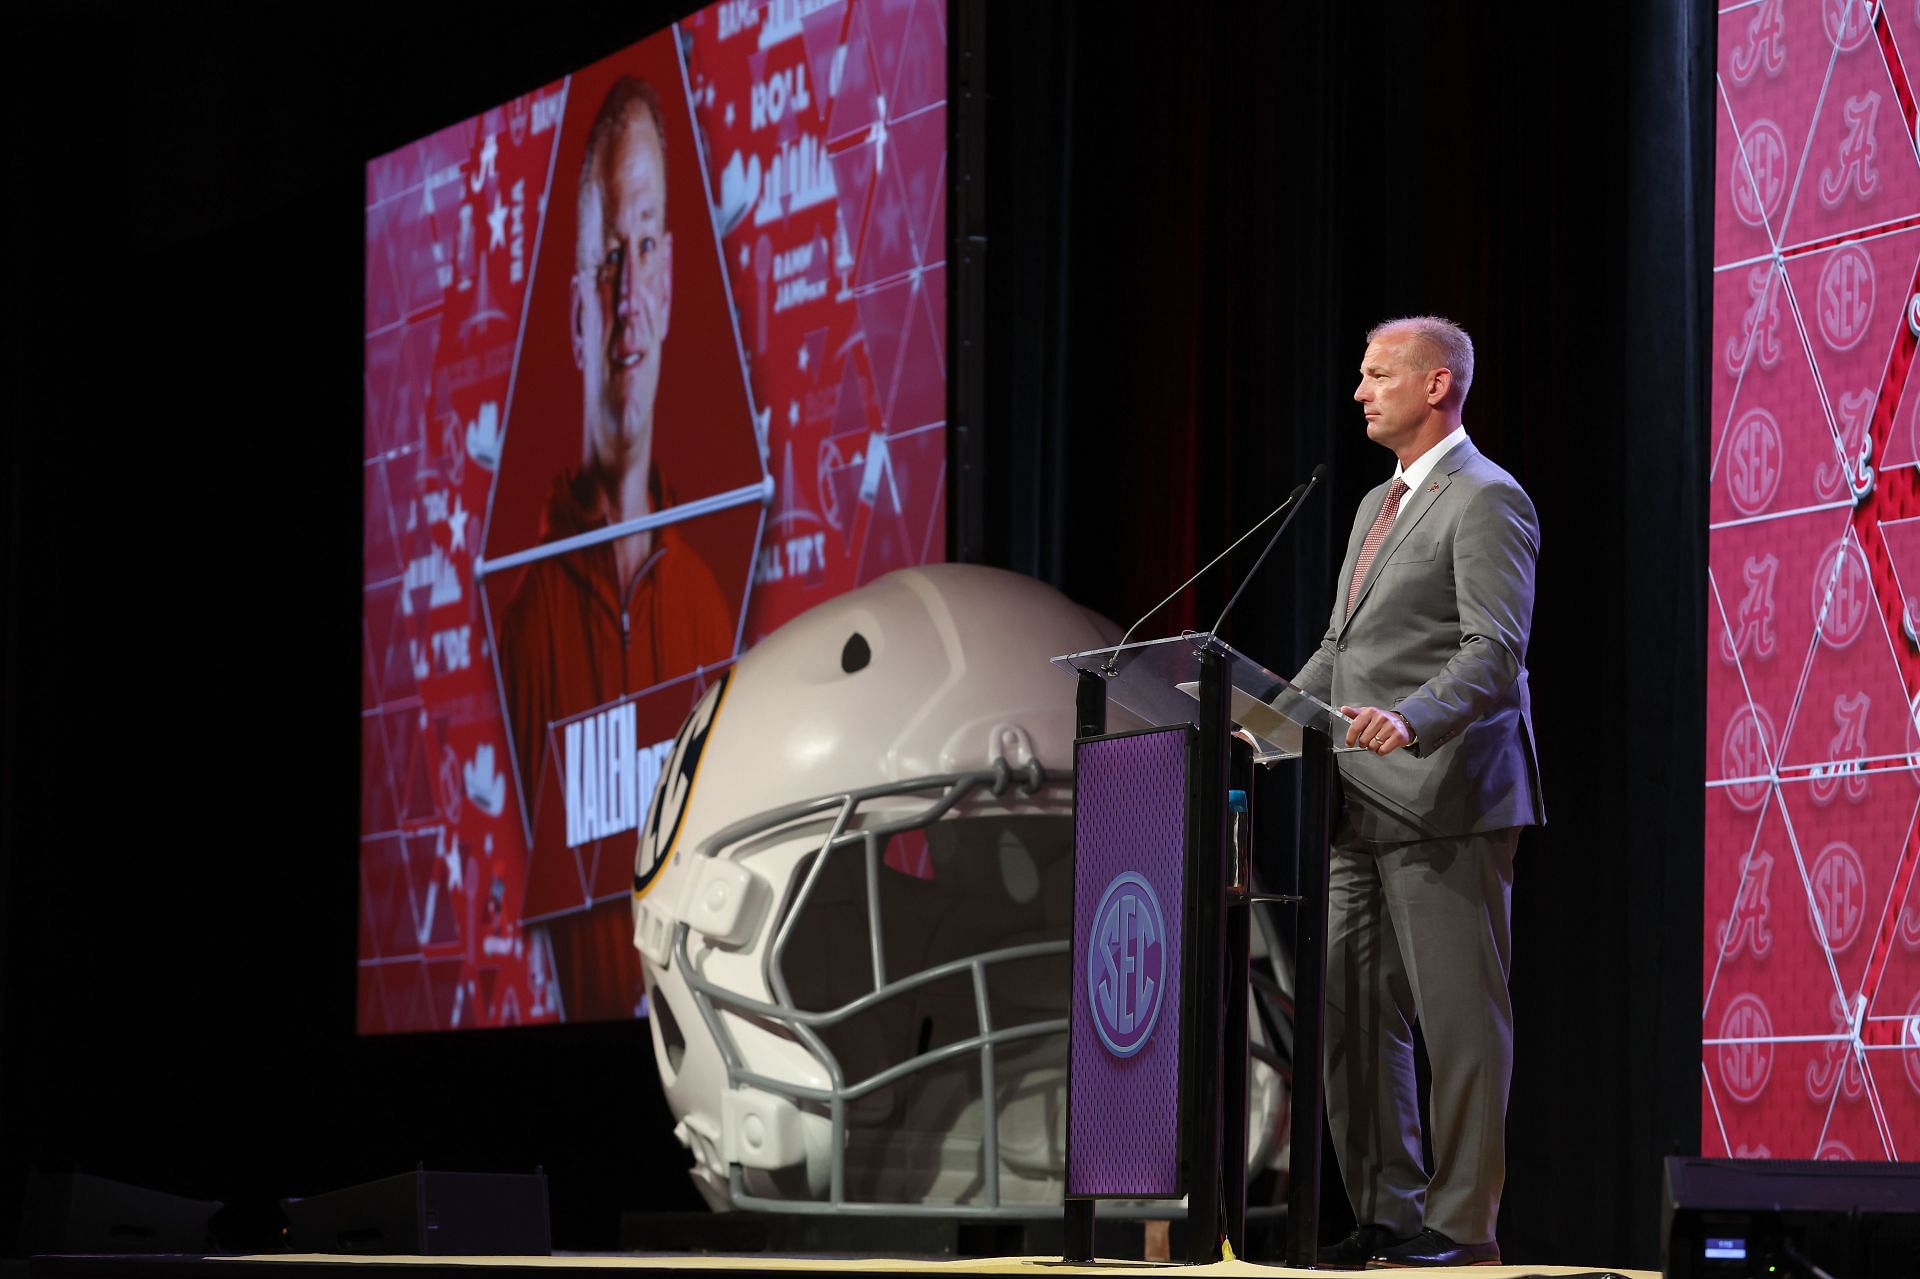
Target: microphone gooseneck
1313, 481
1108, 667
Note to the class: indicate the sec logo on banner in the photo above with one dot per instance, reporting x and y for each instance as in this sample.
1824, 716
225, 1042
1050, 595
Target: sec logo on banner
1848, 22
1842, 594
1746, 751
1845, 297
1759, 174
1839, 881
1754, 462
1745, 1067
1127, 964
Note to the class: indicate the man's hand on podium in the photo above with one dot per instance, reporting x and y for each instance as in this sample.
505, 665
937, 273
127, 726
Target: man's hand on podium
1380, 731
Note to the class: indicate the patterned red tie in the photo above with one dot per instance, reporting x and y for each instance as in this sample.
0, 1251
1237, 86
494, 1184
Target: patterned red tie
1375, 535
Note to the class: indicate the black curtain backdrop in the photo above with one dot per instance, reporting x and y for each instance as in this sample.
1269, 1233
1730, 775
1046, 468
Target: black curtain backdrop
1244, 196
1187, 224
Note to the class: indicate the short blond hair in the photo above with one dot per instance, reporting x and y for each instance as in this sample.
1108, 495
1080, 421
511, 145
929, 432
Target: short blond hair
1445, 343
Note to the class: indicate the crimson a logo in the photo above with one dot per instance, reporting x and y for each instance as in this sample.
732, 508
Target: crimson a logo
1853, 168
1766, 46
1840, 1068
1747, 1064
1752, 622
1127, 964
1845, 296
1842, 594
1759, 336
1759, 177
1843, 769
1839, 880
1849, 472
1754, 461
1746, 928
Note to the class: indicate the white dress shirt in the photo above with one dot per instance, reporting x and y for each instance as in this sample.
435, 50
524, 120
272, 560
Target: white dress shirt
1416, 475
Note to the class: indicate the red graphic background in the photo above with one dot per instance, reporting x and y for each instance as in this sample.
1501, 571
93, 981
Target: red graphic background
474, 911
1811, 946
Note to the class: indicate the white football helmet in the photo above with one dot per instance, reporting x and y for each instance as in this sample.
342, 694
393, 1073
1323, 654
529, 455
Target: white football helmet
852, 896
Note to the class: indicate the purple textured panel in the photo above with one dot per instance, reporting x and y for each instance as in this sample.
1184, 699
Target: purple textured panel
1129, 832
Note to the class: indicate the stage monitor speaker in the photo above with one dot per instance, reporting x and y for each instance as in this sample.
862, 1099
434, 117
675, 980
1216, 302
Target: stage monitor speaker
76, 1213
422, 1213
1788, 1218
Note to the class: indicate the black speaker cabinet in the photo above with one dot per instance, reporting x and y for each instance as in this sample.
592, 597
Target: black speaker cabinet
73, 1212
426, 1214
1786, 1218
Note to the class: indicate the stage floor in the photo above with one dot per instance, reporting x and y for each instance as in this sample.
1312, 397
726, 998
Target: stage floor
337, 1266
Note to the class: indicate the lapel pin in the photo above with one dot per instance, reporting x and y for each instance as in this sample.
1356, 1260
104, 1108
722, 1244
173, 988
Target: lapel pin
1434, 487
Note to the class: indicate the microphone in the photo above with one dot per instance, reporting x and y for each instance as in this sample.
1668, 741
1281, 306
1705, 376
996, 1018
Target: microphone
1319, 474
1108, 667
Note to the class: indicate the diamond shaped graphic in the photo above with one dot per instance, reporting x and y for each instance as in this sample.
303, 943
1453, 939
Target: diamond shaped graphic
920, 72
1852, 845
1782, 1121
1855, 1128
1750, 313
1895, 998
1852, 709
856, 90
1778, 447
1733, 916
1853, 300
1743, 742
919, 149
1901, 539
1772, 62
1902, 447
1763, 575
920, 389
1768, 945
890, 247
1860, 170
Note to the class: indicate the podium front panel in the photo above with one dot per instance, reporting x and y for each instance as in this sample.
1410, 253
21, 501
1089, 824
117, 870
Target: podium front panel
1129, 897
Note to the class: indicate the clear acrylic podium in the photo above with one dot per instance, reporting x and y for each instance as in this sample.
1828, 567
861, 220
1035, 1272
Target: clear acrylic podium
1201, 684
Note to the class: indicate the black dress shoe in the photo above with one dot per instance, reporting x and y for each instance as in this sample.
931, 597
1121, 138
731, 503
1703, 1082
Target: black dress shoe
1358, 1248
1431, 1248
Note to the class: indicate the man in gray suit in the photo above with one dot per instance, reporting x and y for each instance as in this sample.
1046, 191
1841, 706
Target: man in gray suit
1427, 654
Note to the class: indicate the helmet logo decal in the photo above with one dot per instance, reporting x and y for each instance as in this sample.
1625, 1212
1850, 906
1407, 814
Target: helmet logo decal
675, 787
1127, 964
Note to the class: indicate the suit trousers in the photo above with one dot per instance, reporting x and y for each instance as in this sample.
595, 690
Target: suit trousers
1420, 930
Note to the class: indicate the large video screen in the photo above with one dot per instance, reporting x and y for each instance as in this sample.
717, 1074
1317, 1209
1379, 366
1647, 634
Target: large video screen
1811, 955
654, 362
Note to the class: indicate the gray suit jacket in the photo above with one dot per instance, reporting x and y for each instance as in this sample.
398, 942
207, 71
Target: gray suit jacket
1439, 634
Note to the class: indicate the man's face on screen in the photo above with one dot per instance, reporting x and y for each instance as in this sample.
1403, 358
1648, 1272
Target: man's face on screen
1394, 390
624, 319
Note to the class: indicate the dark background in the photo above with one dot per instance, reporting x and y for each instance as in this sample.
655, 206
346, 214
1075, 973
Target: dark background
1184, 227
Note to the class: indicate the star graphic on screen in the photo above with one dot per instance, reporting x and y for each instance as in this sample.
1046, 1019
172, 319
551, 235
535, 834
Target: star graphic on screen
497, 224
457, 524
